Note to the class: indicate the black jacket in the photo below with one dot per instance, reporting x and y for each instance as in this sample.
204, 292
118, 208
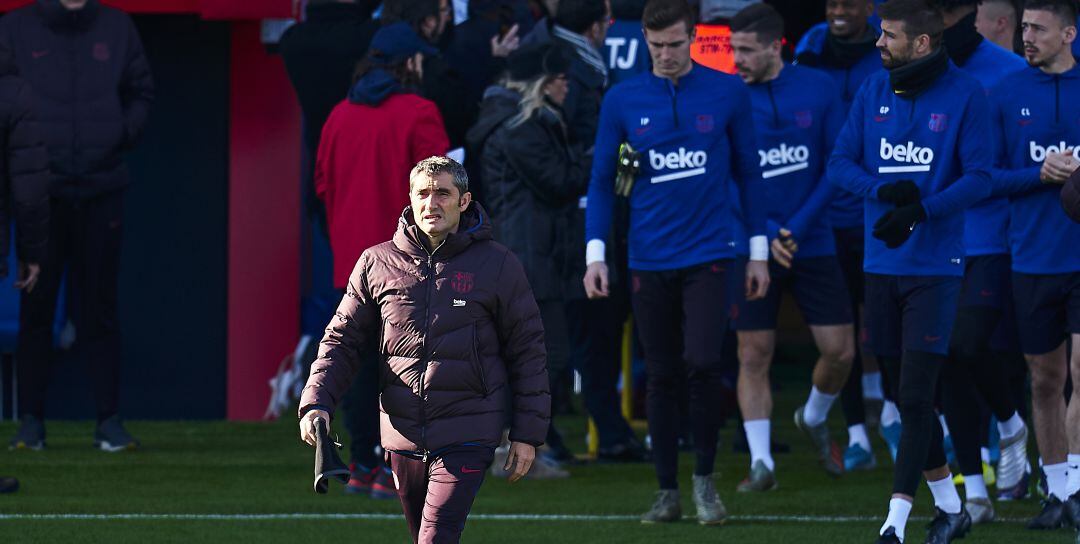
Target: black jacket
499, 105
534, 180
92, 86
320, 57
23, 171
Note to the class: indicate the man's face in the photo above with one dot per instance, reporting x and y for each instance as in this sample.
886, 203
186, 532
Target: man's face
989, 19
1045, 36
754, 59
847, 19
670, 49
73, 5
437, 204
433, 27
897, 49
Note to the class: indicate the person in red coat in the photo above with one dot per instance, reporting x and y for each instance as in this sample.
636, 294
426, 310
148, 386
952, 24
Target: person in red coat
371, 141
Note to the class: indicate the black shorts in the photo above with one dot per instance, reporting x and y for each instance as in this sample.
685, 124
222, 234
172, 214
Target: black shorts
816, 283
1047, 309
910, 313
988, 283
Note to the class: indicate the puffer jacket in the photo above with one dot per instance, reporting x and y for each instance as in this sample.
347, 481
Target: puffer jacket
534, 181
93, 88
24, 181
459, 337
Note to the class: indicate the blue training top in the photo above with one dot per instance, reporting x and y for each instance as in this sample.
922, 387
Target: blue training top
625, 51
695, 138
797, 117
1035, 113
939, 139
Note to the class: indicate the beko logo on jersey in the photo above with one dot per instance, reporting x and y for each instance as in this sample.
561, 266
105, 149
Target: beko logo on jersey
784, 160
1038, 152
918, 158
689, 163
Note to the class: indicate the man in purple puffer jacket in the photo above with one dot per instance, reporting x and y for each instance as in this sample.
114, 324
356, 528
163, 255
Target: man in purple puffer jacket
459, 339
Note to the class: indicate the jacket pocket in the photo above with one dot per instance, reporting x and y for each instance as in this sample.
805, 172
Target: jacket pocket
478, 365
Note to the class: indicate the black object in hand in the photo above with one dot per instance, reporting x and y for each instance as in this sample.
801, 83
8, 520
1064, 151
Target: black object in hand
327, 463
895, 226
900, 193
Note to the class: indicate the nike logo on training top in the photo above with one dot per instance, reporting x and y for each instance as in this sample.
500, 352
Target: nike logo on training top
1038, 152
689, 163
918, 159
783, 160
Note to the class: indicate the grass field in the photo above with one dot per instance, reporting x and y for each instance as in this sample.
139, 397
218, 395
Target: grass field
241, 482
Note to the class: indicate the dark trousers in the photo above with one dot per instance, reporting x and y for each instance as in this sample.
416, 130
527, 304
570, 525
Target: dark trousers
85, 238
681, 315
436, 495
557, 344
596, 337
360, 411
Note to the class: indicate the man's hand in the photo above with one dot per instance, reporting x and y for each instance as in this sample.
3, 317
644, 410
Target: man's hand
894, 227
757, 279
596, 280
1058, 167
307, 425
503, 46
28, 276
784, 247
520, 460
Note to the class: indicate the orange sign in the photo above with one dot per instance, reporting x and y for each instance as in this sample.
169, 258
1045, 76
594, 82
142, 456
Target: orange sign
712, 48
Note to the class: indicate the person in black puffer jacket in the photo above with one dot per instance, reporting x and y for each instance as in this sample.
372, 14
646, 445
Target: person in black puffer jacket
93, 89
534, 179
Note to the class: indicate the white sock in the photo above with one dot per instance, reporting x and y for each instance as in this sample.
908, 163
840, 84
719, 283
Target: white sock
857, 436
817, 407
1057, 479
1073, 485
757, 436
975, 487
984, 454
871, 386
945, 496
899, 510
1008, 429
944, 426
889, 413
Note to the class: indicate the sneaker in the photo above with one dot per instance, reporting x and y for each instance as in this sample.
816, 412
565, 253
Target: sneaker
856, 458
545, 468
829, 454
111, 436
760, 479
980, 509
872, 408
31, 434
1051, 517
1018, 492
891, 435
378, 483
1072, 510
625, 452
1013, 464
889, 537
665, 508
8, 485
710, 510
948, 527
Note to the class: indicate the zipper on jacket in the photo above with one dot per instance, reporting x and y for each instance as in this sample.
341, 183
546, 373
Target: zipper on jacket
674, 103
423, 349
847, 82
911, 112
772, 100
1057, 99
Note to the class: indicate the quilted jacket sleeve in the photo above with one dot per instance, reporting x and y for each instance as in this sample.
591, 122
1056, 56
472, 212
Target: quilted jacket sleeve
27, 173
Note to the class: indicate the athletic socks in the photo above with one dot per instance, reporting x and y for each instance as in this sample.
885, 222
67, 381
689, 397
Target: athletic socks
757, 436
899, 510
889, 413
857, 436
1008, 429
1057, 479
945, 496
1073, 485
975, 487
871, 386
817, 407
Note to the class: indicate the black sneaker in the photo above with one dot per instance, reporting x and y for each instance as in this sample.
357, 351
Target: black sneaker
1072, 510
1051, 517
8, 485
111, 436
625, 452
31, 434
888, 537
948, 527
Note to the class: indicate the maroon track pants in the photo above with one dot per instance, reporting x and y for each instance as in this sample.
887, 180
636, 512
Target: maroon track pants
437, 495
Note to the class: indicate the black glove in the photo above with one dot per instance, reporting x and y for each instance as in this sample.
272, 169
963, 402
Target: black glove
899, 193
895, 226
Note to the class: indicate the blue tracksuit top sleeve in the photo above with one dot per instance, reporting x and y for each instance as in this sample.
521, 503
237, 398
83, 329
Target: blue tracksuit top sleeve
845, 168
745, 168
974, 152
824, 191
601, 195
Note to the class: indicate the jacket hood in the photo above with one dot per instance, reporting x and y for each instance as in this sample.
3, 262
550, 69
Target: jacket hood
499, 105
57, 16
374, 87
475, 226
